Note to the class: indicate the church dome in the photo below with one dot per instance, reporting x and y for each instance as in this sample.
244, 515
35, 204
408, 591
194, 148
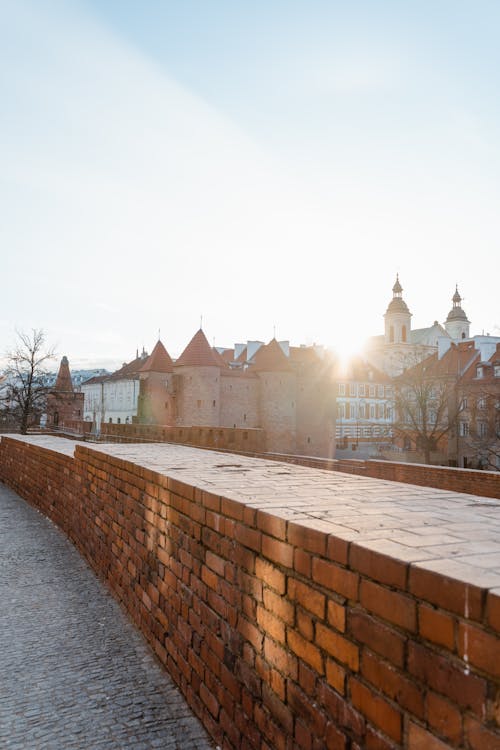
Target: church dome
456, 313
397, 303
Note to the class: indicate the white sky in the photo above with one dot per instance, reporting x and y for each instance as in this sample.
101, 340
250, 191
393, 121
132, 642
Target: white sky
149, 178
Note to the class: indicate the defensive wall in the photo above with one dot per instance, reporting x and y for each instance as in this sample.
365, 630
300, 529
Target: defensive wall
252, 442
297, 609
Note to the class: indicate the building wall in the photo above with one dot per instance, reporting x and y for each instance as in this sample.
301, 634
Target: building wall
157, 402
64, 407
274, 631
239, 401
198, 396
278, 410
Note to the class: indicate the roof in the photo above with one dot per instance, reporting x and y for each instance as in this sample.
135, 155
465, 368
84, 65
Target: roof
421, 335
220, 359
158, 361
198, 353
456, 360
129, 371
63, 381
271, 358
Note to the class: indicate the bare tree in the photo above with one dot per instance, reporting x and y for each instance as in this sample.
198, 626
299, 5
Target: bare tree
25, 389
426, 406
483, 440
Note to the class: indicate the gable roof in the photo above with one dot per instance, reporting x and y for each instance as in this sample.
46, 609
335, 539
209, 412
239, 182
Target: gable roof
271, 358
158, 361
129, 371
198, 353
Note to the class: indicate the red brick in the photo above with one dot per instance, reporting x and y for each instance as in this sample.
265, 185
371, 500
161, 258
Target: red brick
309, 598
376, 709
280, 658
380, 638
270, 575
250, 632
209, 700
334, 739
420, 739
306, 538
302, 562
444, 718
306, 709
305, 650
337, 549
336, 615
247, 536
271, 524
376, 741
335, 578
278, 552
335, 675
380, 567
390, 605
337, 646
279, 606
271, 624
305, 624
479, 737
436, 626
392, 683
446, 593
447, 678
479, 648
493, 609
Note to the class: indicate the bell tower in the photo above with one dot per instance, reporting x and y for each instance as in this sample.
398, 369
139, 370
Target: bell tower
456, 324
397, 317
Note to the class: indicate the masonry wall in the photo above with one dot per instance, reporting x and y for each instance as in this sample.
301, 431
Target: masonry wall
198, 396
278, 409
239, 400
280, 636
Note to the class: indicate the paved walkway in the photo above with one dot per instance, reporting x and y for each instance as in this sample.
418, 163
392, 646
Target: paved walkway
74, 673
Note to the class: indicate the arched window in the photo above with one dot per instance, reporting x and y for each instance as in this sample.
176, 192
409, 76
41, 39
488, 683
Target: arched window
391, 334
403, 333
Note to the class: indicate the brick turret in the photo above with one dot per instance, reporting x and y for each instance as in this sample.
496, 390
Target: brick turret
63, 404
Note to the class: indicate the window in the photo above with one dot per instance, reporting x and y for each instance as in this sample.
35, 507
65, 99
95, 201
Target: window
464, 429
391, 334
483, 429
372, 391
388, 390
496, 371
341, 389
352, 411
199, 403
110, 420
403, 333
380, 391
119, 421
352, 389
479, 371
342, 411
361, 389
372, 411
481, 403
213, 402
362, 411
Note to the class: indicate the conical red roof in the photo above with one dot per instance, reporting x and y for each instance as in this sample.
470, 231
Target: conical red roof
158, 361
63, 382
271, 358
198, 353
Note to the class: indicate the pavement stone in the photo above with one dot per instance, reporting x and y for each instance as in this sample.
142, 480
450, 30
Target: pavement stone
75, 674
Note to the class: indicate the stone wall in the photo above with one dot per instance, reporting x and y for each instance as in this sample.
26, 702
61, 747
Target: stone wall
282, 633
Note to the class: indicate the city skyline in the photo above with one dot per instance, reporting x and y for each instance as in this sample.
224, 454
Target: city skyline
267, 167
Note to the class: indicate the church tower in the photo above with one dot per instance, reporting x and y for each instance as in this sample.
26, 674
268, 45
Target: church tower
397, 318
456, 324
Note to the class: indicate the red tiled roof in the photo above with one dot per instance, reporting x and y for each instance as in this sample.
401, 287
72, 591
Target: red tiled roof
63, 382
271, 358
130, 370
158, 361
198, 353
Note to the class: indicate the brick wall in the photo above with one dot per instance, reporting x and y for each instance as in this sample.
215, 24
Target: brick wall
281, 636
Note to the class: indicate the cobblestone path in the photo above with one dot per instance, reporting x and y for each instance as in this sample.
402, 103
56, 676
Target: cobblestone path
74, 672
